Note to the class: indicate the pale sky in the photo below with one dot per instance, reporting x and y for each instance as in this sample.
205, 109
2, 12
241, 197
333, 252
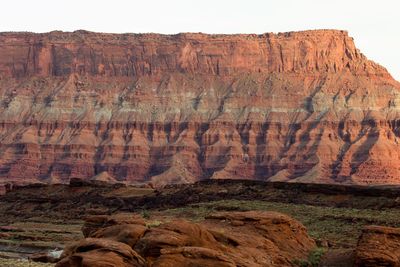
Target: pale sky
375, 25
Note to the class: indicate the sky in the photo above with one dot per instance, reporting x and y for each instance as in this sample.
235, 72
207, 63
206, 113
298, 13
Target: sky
375, 25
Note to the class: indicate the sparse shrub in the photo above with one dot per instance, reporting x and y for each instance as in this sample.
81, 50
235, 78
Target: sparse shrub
145, 214
314, 258
301, 263
155, 223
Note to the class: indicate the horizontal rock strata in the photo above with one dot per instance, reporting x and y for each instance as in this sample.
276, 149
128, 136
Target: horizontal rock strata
299, 106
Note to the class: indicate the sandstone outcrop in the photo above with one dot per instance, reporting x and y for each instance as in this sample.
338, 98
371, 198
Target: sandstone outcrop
137, 108
378, 246
100, 252
223, 239
94, 223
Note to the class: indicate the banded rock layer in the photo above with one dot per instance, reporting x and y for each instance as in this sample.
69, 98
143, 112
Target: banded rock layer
299, 106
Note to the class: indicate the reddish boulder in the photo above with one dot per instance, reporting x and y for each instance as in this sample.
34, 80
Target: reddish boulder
125, 233
95, 223
378, 246
94, 252
223, 239
193, 256
252, 233
187, 234
175, 234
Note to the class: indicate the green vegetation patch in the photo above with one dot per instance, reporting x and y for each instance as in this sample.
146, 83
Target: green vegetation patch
341, 226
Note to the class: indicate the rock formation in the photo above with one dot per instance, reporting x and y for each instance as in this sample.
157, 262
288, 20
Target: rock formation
251, 238
298, 106
378, 246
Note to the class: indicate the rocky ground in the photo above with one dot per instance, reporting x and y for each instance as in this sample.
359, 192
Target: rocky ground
41, 218
252, 238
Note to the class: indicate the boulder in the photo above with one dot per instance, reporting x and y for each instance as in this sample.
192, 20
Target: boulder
222, 239
193, 256
378, 246
175, 234
125, 233
94, 223
96, 252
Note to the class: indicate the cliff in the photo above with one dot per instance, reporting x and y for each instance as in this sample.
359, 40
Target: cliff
299, 106
99, 54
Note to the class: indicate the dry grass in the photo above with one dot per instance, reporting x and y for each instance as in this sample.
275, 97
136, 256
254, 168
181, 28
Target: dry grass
22, 263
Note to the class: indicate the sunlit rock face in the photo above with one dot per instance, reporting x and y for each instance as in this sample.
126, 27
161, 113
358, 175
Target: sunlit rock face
299, 106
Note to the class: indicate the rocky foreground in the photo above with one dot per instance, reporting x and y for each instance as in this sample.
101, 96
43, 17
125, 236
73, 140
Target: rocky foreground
226, 239
139, 108
214, 222
223, 239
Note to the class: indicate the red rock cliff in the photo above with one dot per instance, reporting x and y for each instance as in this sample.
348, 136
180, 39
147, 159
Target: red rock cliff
86, 53
301, 106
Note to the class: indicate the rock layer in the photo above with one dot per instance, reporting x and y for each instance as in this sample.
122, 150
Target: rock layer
299, 106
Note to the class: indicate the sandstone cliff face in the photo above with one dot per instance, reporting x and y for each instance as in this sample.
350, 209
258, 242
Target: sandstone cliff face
299, 106
96, 54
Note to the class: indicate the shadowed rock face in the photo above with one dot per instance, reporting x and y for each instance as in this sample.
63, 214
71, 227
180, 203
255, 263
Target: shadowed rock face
300, 106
